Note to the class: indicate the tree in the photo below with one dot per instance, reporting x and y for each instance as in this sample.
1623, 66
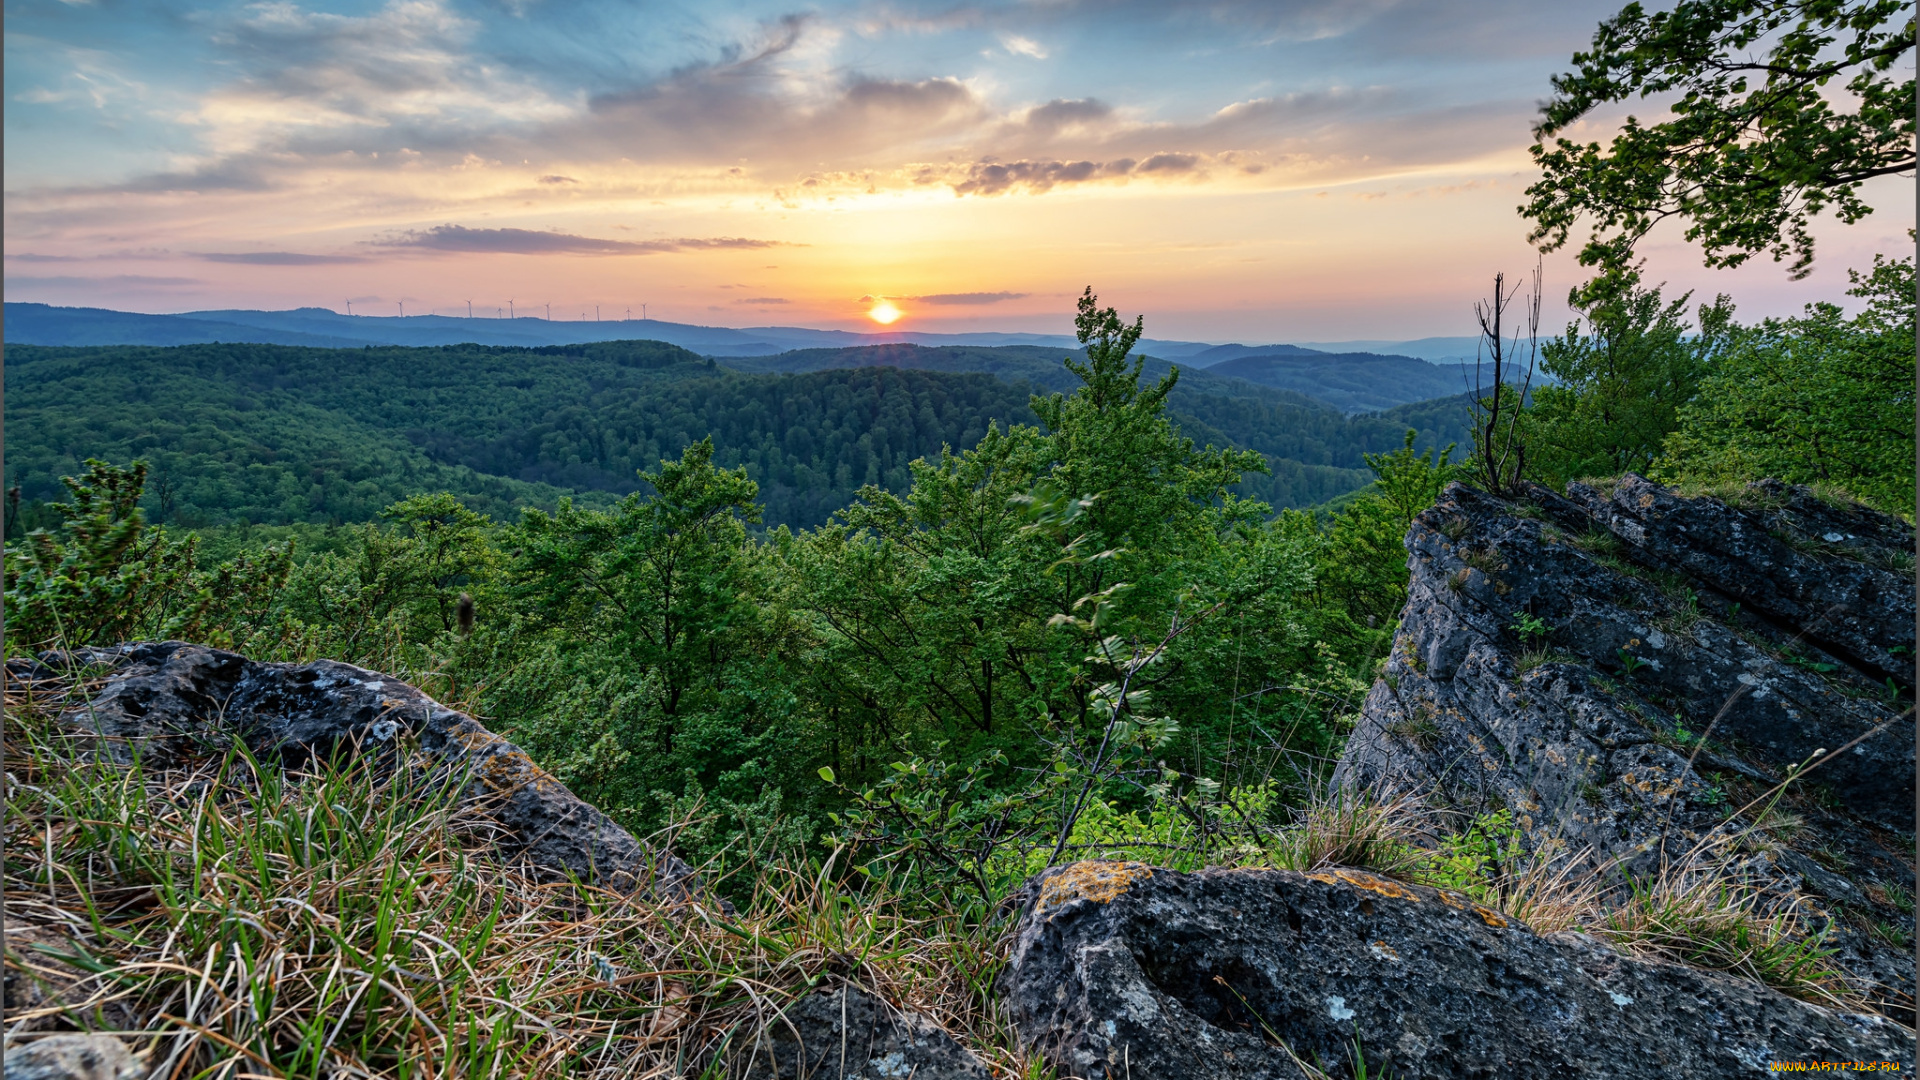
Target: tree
1499, 445
1821, 399
1758, 142
1619, 387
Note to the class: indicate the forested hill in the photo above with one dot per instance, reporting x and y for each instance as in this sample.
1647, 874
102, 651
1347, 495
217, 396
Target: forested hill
276, 434
1350, 382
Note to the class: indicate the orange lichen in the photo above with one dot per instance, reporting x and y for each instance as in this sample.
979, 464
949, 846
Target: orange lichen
1093, 881
1360, 879
1491, 917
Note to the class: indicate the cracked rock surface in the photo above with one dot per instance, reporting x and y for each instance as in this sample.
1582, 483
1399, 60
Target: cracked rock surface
162, 700
1121, 970
848, 1034
1686, 653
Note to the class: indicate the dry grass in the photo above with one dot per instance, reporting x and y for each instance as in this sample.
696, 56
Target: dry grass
1709, 919
236, 921
1341, 827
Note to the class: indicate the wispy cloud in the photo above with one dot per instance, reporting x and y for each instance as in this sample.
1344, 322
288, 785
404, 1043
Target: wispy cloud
1022, 46
277, 258
459, 238
762, 301
111, 281
966, 299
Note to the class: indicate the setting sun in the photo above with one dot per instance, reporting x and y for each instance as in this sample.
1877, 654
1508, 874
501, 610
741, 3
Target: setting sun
884, 313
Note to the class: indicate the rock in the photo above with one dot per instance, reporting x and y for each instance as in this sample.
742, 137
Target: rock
1120, 970
1858, 610
851, 1035
72, 1057
43, 991
1665, 619
164, 701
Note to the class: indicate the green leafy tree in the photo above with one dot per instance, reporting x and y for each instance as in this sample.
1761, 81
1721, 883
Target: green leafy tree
657, 593
1781, 109
981, 611
1360, 557
103, 576
1619, 386
1819, 399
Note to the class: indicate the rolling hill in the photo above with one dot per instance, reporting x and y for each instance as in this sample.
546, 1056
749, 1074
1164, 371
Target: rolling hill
277, 434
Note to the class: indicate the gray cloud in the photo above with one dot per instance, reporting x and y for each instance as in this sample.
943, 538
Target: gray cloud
995, 178
1067, 112
555, 178
276, 258
459, 238
966, 298
119, 280
1170, 163
761, 300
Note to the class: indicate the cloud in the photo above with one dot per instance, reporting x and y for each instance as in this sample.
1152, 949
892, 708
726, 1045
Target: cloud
966, 298
556, 178
459, 238
1067, 112
115, 281
1022, 46
1170, 163
277, 258
762, 300
995, 178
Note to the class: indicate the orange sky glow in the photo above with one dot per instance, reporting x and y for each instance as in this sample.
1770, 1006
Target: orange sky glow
1288, 172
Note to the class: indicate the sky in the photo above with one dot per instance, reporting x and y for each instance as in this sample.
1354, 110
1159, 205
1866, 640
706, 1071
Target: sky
1262, 171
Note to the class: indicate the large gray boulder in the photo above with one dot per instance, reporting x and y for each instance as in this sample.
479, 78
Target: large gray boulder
1783, 625
163, 702
1121, 970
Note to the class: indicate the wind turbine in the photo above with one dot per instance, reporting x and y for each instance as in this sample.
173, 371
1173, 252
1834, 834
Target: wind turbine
509, 309
549, 312
349, 309
596, 313
469, 311
629, 315
643, 313
403, 308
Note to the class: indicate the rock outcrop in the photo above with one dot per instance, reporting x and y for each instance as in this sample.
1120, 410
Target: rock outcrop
1124, 971
1630, 673
72, 1057
163, 702
848, 1034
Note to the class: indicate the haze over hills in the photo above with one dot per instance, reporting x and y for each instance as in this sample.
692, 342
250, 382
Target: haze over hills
42, 324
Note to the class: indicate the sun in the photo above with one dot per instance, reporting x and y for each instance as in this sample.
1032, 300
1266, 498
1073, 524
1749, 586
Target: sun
884, 313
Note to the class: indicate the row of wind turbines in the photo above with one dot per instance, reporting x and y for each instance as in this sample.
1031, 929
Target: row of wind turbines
508, 311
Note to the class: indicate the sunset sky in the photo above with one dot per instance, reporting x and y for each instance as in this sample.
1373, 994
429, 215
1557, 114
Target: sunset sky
1260, 171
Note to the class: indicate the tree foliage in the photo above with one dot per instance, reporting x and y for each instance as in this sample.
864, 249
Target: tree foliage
1618, 387
1820, 399
281, 435
1781, 109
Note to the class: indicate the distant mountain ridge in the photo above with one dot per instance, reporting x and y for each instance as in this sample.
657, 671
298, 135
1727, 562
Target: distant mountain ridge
43, 324
1354, 382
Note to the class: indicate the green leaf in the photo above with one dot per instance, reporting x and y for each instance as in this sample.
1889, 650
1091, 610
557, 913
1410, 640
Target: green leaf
826, 773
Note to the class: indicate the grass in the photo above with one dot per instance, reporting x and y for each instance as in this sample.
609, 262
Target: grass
245, 921
238, 920
1706, 919
1347, 828
1540, 656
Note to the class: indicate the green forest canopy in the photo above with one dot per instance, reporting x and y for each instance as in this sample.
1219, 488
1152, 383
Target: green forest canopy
283, 434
